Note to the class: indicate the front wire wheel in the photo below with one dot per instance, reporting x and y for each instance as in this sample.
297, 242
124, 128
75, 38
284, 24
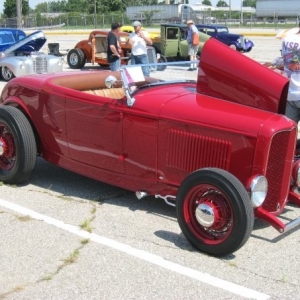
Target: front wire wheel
214, 211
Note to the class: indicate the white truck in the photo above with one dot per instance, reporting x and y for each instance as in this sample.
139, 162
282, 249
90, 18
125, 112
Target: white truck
173, 13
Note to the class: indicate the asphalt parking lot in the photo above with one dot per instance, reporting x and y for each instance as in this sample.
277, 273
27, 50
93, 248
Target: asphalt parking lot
64, 236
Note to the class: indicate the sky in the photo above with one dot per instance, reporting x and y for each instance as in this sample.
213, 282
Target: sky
33, 3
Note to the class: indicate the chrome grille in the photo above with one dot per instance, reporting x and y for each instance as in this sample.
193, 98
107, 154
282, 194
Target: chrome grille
39, 64
242, 39
279, 169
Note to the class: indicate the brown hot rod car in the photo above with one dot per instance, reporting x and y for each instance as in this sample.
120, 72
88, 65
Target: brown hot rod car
93, 50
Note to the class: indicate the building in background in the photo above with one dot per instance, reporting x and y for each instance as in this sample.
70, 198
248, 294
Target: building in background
277, 8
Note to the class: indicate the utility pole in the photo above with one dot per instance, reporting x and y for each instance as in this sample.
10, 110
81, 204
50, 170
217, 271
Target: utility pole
242, 12
95, 14
19, 13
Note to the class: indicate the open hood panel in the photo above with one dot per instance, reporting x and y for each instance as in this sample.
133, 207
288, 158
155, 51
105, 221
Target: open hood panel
227, 74
31, 43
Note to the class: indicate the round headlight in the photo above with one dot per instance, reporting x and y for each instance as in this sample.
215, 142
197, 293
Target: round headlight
258, 190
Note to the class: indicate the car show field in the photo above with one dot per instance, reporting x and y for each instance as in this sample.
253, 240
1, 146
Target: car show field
66, 236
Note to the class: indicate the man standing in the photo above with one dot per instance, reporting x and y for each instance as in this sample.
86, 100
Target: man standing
139, 39
291, 59
114, 50
193, 43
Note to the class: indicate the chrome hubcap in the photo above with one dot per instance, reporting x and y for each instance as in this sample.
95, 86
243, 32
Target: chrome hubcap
205, 215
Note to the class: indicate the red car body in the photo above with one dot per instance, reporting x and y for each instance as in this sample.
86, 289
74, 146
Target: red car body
203, 144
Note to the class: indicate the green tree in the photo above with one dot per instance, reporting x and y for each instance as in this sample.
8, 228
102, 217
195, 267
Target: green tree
251, 3
112, 5
39, 21
206, 2
77, 6
10, 8
222, 3
41, 7
57, 6
146, 2
148, 16
51, 6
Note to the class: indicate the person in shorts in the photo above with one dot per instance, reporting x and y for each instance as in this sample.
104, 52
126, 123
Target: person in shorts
192, 47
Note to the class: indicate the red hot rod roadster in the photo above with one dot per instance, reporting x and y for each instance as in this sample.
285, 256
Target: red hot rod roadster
215, 145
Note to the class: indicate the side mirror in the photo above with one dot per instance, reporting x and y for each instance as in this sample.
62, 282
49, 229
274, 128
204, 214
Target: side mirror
110, 81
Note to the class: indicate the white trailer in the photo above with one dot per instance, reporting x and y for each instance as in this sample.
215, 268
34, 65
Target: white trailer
176, 13
277, 8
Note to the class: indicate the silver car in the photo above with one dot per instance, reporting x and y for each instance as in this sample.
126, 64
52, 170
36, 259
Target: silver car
22, 57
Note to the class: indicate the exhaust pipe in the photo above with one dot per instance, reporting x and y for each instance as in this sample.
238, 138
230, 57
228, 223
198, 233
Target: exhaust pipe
140, 194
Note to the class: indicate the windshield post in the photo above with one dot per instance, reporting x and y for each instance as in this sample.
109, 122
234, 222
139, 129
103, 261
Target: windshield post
126, 87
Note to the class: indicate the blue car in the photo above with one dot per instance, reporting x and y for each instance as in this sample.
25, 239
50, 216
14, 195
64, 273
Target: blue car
221, 33
9, 36
12, 36
20, 54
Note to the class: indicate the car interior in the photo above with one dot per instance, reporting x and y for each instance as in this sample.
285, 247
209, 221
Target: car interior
100, 44
92, 83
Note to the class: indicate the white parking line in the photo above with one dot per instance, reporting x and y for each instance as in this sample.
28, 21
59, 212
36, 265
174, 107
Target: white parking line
146, 256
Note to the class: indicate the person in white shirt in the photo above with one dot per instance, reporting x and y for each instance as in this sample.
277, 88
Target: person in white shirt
139, 39
291, 59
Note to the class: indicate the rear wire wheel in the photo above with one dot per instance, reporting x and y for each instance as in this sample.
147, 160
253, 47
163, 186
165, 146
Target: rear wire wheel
18, 149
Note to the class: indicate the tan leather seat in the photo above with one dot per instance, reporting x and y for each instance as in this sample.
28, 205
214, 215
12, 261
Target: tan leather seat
114, 93
89, 92
102, 55
100, 47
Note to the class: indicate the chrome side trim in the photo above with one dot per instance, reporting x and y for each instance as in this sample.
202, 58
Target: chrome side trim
165, 198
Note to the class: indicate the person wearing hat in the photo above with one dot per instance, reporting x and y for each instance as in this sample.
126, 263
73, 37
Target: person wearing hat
114, 50
192, 46
139, 39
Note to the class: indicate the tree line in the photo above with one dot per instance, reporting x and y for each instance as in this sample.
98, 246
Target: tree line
90, 6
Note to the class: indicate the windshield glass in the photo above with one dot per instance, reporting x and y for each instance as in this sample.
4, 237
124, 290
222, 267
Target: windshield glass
133, 78
134, 75
6, 38
222, 30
